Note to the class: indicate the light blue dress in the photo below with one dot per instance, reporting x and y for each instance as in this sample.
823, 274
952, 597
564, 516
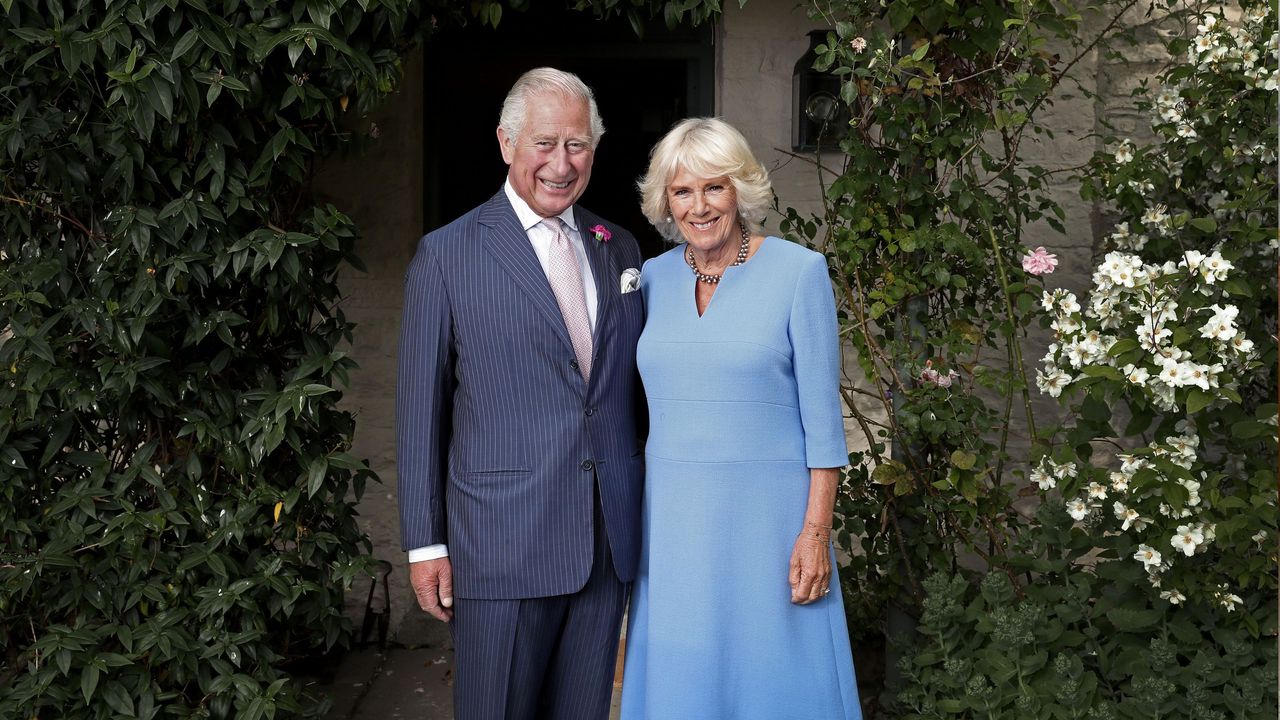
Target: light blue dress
742, 402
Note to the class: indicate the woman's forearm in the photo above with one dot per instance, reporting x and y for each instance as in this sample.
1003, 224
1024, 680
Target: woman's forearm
822, 496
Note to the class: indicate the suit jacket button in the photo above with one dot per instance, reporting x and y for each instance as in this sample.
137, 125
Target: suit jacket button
588, 411
573, 364
587, 465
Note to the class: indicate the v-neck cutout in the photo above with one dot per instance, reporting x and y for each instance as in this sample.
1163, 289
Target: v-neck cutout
731, 270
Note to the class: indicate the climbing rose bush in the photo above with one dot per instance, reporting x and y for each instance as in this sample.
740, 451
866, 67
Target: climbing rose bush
1172, 352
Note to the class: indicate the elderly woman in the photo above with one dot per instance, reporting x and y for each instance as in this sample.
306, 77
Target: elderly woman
732, 615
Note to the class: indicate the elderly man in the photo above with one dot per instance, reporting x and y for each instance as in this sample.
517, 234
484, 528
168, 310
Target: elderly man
520, 472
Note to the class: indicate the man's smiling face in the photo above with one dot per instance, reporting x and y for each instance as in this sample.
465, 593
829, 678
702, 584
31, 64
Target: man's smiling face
550, 163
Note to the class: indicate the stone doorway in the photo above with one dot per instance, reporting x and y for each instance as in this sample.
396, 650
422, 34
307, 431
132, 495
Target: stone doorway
643, 86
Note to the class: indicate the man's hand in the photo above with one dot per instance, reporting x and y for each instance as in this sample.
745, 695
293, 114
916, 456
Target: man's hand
432, 582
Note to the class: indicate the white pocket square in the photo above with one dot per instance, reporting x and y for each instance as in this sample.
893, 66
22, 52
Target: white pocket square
630, 280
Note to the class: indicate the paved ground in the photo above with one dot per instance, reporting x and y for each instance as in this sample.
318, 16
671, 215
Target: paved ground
410, 678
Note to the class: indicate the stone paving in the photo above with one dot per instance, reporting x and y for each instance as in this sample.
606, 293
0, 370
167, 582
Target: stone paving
410, 678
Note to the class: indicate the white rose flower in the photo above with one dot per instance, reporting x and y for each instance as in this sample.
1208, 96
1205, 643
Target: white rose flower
1151, 335
1126, 515
1053, 382
1136, 375
1174, 373
1241, 344
1124, 153
1186, 539
1044, 479
1173, 596
1199, 375
1077, 509
1097, 491
1148, 556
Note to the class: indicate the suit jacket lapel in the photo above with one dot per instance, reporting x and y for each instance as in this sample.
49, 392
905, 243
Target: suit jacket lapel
601, 271
509, 244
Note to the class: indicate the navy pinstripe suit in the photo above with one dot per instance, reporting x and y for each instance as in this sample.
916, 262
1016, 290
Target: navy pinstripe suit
501, 443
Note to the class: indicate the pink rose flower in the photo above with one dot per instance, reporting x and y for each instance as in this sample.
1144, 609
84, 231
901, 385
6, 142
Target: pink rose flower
858, 44
601, 233
943, 380
1039, 261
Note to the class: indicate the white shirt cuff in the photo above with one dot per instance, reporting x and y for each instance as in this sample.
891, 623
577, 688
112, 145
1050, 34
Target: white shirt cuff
430, 552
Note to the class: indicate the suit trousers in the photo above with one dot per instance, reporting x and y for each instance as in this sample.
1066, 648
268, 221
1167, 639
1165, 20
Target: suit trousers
548, 658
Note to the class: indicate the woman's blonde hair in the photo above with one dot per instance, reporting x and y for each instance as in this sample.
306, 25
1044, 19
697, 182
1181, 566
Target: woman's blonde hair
707, 148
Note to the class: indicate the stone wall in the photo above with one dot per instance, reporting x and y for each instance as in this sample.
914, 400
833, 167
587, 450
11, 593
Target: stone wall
381, 189
757, 47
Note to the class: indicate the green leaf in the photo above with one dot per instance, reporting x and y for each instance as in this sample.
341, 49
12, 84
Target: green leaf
88, 682
1126, 620
118, 699
1122, 346
889, 472
900, 15
1094, 410
315, 475
184, 44
1198, 400
1102, 371
1204, 224
963, 459
13, 458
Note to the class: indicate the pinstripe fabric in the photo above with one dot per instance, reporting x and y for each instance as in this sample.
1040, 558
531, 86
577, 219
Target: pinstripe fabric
550, 657
498, 435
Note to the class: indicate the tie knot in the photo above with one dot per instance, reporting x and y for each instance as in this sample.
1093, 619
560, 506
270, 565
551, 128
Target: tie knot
555, 225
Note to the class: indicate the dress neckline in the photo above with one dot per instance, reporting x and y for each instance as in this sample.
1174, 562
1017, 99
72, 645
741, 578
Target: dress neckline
728, 272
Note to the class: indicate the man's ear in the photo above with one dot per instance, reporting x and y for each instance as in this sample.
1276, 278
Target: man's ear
506, 146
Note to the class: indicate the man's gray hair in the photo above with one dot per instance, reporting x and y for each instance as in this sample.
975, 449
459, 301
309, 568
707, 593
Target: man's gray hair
542, 81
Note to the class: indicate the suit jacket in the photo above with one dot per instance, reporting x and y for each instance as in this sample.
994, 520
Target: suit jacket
500, 441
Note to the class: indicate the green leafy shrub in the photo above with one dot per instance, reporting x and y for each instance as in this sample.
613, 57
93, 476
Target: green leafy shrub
1145, 584
1078, 643
925, 209
178, 521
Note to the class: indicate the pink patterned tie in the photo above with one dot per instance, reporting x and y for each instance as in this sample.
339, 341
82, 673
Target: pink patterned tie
565, 276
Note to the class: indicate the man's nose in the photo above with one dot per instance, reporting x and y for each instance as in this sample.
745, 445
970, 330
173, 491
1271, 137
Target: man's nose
560, 160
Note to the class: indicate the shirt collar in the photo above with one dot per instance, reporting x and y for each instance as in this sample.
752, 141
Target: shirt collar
525, 214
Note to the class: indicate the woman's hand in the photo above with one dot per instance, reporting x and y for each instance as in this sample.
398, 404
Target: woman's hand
810, 575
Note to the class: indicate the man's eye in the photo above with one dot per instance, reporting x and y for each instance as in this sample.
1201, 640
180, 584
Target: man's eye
577, 147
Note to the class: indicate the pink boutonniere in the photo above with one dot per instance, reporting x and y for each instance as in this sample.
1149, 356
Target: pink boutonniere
601, 233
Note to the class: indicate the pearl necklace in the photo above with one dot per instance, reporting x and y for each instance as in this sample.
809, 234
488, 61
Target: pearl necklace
713, 279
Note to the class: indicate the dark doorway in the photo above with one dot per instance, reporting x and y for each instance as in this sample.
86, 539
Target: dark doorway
642, 87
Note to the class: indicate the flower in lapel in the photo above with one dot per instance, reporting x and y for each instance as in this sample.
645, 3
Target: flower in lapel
601, 233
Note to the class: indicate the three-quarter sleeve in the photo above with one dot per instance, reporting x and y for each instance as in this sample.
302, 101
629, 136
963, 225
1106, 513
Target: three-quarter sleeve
815, 347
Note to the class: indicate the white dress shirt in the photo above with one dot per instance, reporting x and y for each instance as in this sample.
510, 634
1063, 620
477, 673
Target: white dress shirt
540, 237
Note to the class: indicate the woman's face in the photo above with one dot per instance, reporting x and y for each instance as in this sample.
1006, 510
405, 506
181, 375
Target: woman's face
705, 210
